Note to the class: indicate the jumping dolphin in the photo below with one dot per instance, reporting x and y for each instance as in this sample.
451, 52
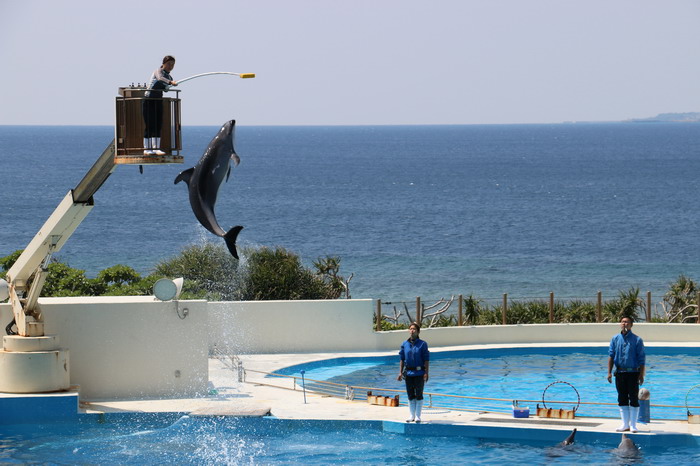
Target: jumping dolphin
205, 179
568, 440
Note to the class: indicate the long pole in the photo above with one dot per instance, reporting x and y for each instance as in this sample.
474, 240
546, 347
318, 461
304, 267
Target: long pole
460, 321
241, 75
551, 307
303, 385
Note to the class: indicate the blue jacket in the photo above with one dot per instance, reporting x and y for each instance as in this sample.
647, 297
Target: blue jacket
627, 351
414, 354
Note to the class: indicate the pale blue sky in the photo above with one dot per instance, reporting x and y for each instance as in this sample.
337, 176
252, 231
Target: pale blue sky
355, 61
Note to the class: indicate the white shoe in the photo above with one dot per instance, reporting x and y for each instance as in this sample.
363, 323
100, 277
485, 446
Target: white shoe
155, 144
625, 415
147, 147
412, 410
634, 414
419, 408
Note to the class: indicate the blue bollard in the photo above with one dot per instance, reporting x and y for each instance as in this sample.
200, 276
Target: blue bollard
644, 406
644, 412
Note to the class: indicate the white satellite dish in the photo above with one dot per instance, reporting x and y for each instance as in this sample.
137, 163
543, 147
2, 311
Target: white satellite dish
166, 289
4, 290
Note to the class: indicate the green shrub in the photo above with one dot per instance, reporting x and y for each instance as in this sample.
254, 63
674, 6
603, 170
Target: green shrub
575, 312
278, 274
209, 270
680, 301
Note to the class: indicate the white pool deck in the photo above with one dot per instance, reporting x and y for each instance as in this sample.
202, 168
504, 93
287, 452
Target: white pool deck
255, 397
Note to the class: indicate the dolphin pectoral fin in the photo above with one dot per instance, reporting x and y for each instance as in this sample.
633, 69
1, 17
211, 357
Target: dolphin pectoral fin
230, 238
184, 176
228, 173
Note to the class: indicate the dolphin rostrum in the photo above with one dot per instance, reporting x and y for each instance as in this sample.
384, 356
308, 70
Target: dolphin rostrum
627, 444
205, 179
627, 450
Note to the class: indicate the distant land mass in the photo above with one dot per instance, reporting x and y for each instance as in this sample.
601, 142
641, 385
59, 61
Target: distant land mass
688, 117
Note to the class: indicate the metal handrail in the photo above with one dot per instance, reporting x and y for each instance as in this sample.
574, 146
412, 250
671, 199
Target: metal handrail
332, 390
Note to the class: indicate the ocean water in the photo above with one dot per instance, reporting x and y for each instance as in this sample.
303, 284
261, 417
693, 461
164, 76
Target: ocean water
424, 211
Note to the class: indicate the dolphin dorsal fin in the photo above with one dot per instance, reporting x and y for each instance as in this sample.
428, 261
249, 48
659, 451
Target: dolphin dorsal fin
185, 176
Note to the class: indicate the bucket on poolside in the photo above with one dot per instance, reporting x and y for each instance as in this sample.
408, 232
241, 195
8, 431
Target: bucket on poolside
644, 406
692, 418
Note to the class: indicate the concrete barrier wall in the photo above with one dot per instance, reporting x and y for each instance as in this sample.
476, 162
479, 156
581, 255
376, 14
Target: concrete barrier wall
291, 326
681, 334
137, 347
129, 347
346, 326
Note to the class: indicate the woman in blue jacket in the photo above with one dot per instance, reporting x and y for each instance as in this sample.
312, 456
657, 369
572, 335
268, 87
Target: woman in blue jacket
413, 368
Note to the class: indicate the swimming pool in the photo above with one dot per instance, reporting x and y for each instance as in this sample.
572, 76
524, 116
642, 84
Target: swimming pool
523, 374
175, 439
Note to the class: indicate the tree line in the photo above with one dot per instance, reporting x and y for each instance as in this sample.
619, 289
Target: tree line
210, 273
265, 273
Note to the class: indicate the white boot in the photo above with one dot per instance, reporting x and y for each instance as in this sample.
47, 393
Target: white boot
412, 410
634, 415
419, 408
156, 147
147, 146
625, 415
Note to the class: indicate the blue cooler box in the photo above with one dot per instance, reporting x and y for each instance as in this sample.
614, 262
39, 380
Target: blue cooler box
521, 412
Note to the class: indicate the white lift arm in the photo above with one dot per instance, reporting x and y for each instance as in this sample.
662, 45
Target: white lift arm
26, 277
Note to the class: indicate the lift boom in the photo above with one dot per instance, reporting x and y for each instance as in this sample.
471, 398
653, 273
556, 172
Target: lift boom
26, 277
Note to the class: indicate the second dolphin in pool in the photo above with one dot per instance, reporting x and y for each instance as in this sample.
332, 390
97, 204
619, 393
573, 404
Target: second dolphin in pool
568, 440
205, 179
564, 447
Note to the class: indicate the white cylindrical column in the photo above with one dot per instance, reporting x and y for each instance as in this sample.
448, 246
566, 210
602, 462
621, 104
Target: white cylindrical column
33, 365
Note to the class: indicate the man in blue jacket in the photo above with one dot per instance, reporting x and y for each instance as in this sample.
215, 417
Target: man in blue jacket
414, 369
626, 352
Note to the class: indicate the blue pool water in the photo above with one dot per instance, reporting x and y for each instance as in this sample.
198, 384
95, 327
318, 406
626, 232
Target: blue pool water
524, 374
144, 439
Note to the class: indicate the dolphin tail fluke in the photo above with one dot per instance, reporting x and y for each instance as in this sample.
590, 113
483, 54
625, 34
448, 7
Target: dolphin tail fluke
230, 238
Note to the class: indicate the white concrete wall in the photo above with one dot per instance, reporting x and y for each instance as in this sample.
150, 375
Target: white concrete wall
346, 326
129, 347
291, 326
680, 334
